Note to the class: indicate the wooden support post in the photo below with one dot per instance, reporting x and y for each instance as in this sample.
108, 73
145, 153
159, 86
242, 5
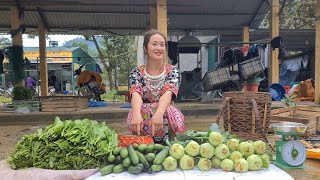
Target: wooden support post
15, 25
17, 37
274, 61
153, 16
162, 16
317, 54
43, 60
162, 20
245, 35
158, 18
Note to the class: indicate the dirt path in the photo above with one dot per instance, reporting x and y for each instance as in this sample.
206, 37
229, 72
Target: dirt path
10, 135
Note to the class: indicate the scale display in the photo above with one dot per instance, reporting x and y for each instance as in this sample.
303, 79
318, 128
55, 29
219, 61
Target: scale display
290, 153
293, 153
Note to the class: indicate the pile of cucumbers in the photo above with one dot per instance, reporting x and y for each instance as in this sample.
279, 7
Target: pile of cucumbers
136, 159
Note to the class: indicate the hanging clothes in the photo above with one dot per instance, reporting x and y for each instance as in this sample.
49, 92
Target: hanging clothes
245, 50
173, 52
289, 69
1, 61
277, 42
263, 51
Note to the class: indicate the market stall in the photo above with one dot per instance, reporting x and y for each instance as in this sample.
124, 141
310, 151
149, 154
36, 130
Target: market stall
234, 148
77, 149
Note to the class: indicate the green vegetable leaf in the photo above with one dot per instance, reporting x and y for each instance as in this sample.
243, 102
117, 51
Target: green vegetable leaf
78, 144
265, 163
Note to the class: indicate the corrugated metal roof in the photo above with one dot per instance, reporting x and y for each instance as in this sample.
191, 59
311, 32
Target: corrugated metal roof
294, 39
132, 16
201, 17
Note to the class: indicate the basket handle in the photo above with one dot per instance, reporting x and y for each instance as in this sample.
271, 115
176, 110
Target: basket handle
265, 116
224, 108
255, 116
255, 109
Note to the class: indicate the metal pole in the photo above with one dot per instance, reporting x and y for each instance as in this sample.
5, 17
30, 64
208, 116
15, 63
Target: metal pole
72, 78
128, 69
37, 76
218, 49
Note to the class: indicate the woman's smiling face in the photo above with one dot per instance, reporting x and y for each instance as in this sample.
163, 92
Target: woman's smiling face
156, 48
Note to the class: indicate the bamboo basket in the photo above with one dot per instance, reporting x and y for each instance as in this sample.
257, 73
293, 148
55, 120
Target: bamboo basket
246, 114
216, 78
251, 68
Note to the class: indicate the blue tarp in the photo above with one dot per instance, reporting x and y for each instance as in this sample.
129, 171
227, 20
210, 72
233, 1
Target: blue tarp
128, 105
96, 104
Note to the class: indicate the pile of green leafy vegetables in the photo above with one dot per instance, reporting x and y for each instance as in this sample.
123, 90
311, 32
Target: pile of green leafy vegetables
201, 137
69, 144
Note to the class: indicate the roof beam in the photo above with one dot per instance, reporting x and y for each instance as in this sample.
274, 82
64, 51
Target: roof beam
282, 6
18, 5
138, 13
63, 3
268, 2
238, 30
257, 12
43, 18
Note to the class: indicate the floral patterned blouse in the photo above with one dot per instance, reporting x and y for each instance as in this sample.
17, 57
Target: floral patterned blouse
151, 89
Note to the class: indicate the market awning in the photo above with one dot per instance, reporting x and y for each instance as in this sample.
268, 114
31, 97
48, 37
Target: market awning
294, 39
202, 17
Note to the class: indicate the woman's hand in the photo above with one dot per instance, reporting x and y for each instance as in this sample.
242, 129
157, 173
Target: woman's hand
136, 124
137, 120
157, 123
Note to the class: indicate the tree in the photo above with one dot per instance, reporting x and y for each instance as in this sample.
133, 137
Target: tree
116, 54
120, 53
4, 42
85, 48
296, 14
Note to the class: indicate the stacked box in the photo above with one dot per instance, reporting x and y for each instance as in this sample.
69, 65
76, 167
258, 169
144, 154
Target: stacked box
299, 114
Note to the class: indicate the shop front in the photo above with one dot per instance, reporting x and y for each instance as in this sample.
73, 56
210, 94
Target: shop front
61, 61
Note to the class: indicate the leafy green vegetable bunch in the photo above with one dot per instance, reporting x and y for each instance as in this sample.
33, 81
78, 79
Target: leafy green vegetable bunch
78, 144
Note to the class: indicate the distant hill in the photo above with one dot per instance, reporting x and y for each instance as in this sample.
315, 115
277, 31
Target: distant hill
82, 40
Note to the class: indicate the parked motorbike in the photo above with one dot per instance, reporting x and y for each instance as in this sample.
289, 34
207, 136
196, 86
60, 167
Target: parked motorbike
6, 90
51, 91
89, 84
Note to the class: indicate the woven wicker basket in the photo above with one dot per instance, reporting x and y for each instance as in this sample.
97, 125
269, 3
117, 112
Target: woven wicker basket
251, 68
215, 79
246, 114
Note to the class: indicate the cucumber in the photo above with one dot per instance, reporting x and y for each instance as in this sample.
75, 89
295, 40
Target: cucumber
142, 147
156, 168
150, 148
124, 153
161, 156
118, 160
118, 168
133, 155
137, 169
111, 158
143, 160
158, 147
150, 157
135, 146
149, 170
107, 169
126, 162
116, 151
